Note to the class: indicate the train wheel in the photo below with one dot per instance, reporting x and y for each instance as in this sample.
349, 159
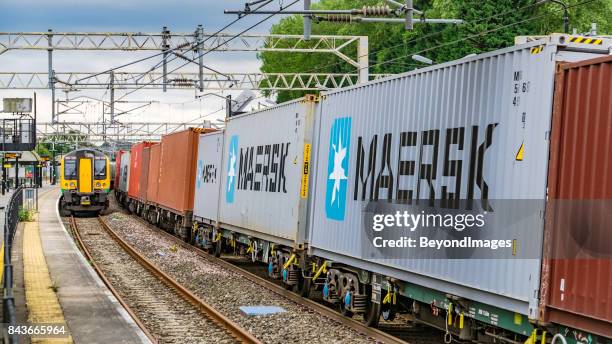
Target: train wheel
303, 287
372, 316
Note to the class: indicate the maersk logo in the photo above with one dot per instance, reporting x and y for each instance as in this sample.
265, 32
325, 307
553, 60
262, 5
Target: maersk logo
337, 168
207, 174
199, 174
231, 169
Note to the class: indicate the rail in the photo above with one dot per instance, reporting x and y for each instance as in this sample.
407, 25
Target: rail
108, 284
11, 219
378, 335
233, 329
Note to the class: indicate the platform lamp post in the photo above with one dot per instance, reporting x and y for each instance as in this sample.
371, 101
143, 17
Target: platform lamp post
52, 163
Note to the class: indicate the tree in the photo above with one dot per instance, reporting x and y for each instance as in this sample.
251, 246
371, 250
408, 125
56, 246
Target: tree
489, 25
43, 150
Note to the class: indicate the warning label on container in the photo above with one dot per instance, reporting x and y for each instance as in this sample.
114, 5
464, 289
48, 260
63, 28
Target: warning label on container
305, 171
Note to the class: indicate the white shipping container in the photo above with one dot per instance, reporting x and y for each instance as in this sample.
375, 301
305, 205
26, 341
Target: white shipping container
208, 177
124, 178
490, 112
266, 172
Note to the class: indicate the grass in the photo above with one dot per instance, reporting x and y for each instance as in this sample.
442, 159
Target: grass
26, 215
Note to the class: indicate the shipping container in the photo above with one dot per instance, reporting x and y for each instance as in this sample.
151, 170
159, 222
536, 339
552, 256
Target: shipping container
117, 167
577, 274
177, 170
153, 173
472, 129
208, 178
266, 172
144, 174
136, 166
124, 178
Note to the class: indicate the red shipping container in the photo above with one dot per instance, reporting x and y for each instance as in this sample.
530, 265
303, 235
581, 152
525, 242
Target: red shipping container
153, 174
136, 164
117, 167
576, 289
178, 160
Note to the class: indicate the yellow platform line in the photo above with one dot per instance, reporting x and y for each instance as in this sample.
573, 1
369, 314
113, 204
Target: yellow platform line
42, 302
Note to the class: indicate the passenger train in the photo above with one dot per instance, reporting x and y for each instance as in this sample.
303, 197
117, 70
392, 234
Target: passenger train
85, 181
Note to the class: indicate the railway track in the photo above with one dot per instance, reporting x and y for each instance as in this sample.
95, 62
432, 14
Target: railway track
165, 310
395, 337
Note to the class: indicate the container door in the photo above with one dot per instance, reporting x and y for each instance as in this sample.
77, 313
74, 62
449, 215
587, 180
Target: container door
85, 175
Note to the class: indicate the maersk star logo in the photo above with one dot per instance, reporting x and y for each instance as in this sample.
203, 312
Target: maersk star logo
338, 172
231, 173
337, 168
199, 174
231, 169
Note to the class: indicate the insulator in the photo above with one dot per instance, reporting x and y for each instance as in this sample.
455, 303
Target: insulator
343, 18
183, 45
376, 10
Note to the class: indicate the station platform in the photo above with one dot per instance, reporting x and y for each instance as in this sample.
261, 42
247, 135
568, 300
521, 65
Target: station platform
55, 284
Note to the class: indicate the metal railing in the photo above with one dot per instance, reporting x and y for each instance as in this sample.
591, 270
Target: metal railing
11, 218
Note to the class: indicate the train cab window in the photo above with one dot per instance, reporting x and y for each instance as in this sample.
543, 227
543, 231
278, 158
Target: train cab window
100, 168
70, 171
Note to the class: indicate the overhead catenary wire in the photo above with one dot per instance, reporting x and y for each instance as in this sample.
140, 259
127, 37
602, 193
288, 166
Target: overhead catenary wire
420, 38
181, 46
280, 11
486, 32
177, 55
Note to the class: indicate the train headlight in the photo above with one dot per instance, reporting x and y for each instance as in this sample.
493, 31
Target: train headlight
72, 184
98, 184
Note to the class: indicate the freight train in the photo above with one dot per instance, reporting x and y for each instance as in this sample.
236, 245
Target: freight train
84, 181
504, 152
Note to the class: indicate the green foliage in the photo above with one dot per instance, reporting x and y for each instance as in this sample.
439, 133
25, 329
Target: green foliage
489, 25
26, 215
42, 150
62, 144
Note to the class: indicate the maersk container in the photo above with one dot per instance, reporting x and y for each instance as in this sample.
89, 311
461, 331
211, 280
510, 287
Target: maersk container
576, 286
208, 177
124, 178
266, 172
488, 116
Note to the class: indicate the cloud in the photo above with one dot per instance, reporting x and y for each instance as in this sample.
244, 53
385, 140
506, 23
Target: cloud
124, 16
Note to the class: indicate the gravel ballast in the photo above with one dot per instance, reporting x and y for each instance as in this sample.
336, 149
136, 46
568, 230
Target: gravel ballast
226, 291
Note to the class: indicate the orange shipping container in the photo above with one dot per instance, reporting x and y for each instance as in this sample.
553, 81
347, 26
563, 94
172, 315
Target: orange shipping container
153, 174
576, 289
136, 165
179, 152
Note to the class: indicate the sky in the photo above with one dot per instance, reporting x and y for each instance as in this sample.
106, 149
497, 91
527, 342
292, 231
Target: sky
124, 16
